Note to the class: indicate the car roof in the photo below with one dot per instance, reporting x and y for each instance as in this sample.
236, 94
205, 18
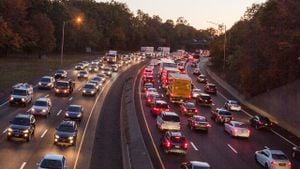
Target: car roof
45, 99
197, 90
211, 84
199, 163
236, 122
276, 151
161, 102
204, 94
23, 115
198, 116
75, 105
202, 75
48, 77
54, 157
170, 114
222, 109
68, 122
176, 133
90, 84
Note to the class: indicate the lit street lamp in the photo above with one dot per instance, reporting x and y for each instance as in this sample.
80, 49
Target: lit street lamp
78, 20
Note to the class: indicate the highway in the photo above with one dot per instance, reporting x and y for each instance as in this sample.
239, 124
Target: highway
22, 155
216, 147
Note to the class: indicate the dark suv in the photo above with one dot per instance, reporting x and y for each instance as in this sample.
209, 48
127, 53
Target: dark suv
66, 133
210, 88
259, 121
174, 142
204, 100
21, 127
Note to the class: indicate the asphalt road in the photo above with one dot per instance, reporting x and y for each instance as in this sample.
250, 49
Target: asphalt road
22, 155
216, 147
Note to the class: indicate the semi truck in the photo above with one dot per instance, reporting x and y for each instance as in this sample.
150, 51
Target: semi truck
179, 88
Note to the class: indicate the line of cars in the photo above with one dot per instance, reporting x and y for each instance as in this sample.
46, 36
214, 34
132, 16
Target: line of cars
23, 126
167, 120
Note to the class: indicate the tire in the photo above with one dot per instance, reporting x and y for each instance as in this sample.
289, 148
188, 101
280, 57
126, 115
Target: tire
266, 166
255, 157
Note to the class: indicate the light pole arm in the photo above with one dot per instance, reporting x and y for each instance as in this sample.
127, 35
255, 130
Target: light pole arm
62, 43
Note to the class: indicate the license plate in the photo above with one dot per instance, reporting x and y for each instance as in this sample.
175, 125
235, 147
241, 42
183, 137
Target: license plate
281, 164
177, 146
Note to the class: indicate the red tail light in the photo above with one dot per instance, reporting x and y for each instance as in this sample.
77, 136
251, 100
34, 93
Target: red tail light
168, 144
167, 109
184, 109
208, 125
149, 100
196, 110
177, 137
156, 109
289, 163
274, 163
185, 145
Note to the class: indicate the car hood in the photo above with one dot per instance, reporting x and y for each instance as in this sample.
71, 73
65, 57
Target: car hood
64, 134
17, 96
20, 127
73, 113
39, 107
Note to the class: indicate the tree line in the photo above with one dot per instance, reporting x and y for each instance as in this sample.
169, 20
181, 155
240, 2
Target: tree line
262, 49
35, 27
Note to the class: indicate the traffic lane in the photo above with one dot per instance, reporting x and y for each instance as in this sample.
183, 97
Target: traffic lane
258, 139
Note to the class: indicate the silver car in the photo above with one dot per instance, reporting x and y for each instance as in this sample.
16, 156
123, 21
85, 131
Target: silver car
272, 159
168, 121
89, 89
41, 106
53, 161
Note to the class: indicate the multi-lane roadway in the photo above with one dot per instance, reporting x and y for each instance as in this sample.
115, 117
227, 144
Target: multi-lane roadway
216, 147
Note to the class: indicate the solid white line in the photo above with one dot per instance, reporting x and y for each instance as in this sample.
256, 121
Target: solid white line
232, 148
44, 133
4, 131
79, 89
47, 95
58, 113
70, 98
35, 85
244, 111
193, 145
151, 137
4, 103
222, 95
284, 138
23, 165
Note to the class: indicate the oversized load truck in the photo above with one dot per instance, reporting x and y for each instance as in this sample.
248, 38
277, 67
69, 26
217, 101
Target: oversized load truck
180, 87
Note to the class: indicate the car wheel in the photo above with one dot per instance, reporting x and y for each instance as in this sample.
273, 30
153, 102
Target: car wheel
255, 157
266, 166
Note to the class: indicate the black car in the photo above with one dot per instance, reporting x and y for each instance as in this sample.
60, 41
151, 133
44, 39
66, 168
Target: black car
22, 127
204, 99
74, 112
60, 74
260, 121
202, 79
64, 87
174, 142
296, 152
221, 115
210, 88
66, 133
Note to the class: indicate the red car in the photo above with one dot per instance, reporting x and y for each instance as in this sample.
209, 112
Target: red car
174, 142
150, 99
197, 122
148, 79
188, 108
159, 106
210, 88
147, 86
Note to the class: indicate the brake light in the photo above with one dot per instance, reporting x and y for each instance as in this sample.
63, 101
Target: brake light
289, 163
208, 125
149, 100
185, 145
167, 109
184, 109
168, 144
177, 137
196, 110
274, 163
156, 109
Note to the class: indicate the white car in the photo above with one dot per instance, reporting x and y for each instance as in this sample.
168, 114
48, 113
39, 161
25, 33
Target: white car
196, 93
41, 106
272, 159
53, 161
237, 129
168, 121
149, 90
233, 105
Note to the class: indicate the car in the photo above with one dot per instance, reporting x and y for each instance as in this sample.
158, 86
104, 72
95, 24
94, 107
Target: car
42, 107
53, 161
60, 74
96, 62
232, 105
188, 108
83, 74
107, 71
260, 121
147, 85
204, 99
237, 129
220, 115
89, 89
195, 165
296, 152
272, 159
174, 142
159, 106
85, 64
202, 79
79, 66
93, 68
74, 112
210, 88
115, 67
101, 80
46, 82
103, 76
66, 133
197, 122
148, 79
152, 97
168, 121
150, 90
196, 72
97, 84
196, 93
148, 72
22, 93
193, 64
21, 127
64, 87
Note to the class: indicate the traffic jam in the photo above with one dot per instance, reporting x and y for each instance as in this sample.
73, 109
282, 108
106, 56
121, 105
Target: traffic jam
46, 101
186, 115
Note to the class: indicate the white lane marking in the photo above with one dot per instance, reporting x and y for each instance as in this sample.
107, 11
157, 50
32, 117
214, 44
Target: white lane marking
162, 95
47, 95
70, 98
28, 110
232, 148
193, 145
145, 121
4, 103
79, 89
248, 114
284, 138
58, 113
23, 165
35, 85
44, 133
4, 131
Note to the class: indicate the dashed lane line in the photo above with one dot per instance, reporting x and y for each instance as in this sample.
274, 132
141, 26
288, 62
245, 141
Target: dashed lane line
44, 133
58, 113
232, 148
23, 165
193, 145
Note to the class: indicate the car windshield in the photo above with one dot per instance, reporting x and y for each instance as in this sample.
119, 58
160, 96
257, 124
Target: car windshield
200, 119
106, 69
101, 75
171, 118
60, 71
170, 65
45, 80
83, 72
223, 112
264, 119
40, 103
148, 85
279, 157
21, 121
196, 90
190, 105
51, 164
97, 78
212, 86
200, 167
162, 105
62, 84
206, 97
67, 128
241, 125
177, 139
74, 109
19, 92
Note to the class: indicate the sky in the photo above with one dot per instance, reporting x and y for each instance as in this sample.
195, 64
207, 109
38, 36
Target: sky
196, 12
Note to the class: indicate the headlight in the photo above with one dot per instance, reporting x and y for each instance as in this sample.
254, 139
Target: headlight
56, 136
44, 110
71, 138
32, 109
67, 114
84, 91
11, 98
40, 83
92, 92
79, 115
57, 90
9, 129
26, 131
65, 91
23, 99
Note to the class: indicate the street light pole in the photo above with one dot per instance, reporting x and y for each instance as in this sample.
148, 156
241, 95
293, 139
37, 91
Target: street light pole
62, 43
